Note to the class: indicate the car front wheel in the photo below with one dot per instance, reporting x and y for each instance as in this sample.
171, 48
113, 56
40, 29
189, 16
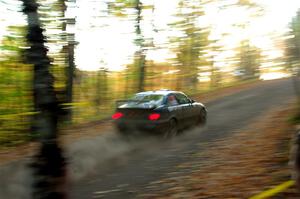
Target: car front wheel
202, 118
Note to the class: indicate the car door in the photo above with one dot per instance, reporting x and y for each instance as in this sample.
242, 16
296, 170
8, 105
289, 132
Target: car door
175, 108
187, 108
195, 109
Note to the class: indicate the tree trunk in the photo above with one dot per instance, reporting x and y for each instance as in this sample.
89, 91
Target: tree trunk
48, 165
70, 66
139, 55
101, 89
70, 78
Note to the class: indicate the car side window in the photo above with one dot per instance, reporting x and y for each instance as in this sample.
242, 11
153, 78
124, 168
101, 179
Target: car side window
171, 100
182, 99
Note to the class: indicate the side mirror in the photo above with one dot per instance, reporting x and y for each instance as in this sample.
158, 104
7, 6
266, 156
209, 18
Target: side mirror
192, 101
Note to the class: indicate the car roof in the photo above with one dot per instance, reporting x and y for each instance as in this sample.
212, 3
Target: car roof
158, 92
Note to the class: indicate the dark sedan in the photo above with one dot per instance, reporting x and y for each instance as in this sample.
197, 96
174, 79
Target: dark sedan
162, 111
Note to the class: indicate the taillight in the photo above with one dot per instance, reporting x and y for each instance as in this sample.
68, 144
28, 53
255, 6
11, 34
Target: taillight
154, 116
117, 115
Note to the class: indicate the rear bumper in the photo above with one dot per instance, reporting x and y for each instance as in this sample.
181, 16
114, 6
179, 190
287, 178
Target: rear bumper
150, 127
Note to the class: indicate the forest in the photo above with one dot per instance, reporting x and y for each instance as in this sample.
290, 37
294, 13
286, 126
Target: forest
91, 53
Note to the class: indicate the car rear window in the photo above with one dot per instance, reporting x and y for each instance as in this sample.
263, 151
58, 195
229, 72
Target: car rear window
143, 101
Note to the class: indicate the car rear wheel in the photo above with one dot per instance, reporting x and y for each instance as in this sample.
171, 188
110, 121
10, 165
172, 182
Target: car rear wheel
172, 130
122, 134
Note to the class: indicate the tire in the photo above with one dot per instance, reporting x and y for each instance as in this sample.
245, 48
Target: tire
202, 118
123, 134
172, 130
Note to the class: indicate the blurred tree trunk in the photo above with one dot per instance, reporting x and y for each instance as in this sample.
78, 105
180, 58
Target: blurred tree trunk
140, 54
127, 84
70, 69
68, 50
214, 80
48, 165
295, 80
293, 53
101, 89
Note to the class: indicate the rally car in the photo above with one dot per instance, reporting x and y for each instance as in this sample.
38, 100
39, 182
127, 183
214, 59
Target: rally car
163, 111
